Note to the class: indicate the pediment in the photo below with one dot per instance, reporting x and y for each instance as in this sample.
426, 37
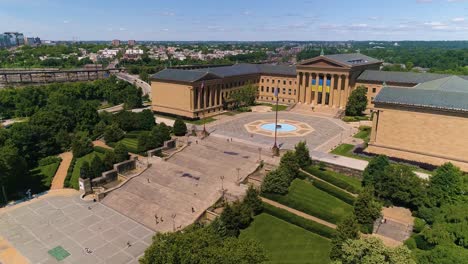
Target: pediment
208, 76
322, 62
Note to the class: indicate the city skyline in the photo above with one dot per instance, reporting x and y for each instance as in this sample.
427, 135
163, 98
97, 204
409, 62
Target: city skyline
241, 20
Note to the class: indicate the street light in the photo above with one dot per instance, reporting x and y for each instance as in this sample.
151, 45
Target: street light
275, 148
238, 176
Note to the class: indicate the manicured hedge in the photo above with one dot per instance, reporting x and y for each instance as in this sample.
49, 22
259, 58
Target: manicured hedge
67, 183
299, 221
331, 189
329, 177
101, 149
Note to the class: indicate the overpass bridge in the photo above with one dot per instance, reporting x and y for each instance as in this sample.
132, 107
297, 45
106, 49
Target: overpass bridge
12, 77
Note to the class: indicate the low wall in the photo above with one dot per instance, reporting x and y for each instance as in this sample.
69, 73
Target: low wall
340, 169
169, 144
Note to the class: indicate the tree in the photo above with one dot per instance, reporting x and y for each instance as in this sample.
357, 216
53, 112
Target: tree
113, 133
367, 210
276, 182
371, 250
446, 185
85, 171
230, 219
253, 200
198, 244
290, 164
374, 170
96, 167
245, 96
180, 129
121, 152
346, 229
147, 120
109, 160
302, 155
81, 145
357, 102
401, 186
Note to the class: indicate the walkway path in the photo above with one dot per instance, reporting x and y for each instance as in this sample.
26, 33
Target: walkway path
9, 254
61, 174
299, 213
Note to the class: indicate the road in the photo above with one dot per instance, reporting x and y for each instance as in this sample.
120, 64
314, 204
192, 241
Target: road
145, 87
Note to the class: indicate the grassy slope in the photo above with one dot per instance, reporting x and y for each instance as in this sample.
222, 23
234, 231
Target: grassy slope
47, 173
76, 170
287, 243
347, 180
364, 133
305, 197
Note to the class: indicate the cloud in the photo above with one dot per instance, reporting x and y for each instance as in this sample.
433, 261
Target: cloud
165, 29
122, 29
66, 21
247, 13
458, 19
456, 1
167, 13
424, 1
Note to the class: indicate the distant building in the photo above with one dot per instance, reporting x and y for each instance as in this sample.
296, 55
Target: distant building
115, 42
32, 41
11, 39
131, 42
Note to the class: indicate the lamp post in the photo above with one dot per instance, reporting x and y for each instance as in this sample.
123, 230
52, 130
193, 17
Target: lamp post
275, 148
238, 176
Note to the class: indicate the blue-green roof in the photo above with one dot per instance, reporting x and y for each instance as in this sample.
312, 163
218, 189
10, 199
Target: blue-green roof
449, 93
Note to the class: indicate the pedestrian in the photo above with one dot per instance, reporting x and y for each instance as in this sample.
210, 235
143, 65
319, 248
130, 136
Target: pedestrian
193, 210
148, 180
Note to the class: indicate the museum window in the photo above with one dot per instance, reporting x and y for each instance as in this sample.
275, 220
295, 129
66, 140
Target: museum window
262, 88
284, 82
289, 91
294, 91
284, 90
262, 80
268, 89
374, 90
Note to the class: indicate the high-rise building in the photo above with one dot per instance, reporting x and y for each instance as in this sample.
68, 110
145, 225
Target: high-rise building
115, 42
11, 39
131, 42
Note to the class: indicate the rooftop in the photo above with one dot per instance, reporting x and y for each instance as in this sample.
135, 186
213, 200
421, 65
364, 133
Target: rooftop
224, 71
401, 77
352, 59
448, 93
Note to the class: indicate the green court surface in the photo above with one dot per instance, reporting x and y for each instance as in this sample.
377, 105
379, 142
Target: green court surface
59, 253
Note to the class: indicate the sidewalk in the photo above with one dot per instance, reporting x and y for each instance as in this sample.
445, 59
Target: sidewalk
61, 174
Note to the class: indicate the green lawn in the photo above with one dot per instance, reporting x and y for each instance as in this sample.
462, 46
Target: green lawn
343, 181
347, 151
76, 170
305, 197
131, 144
287, 243
273, 106
46, 173
364, 133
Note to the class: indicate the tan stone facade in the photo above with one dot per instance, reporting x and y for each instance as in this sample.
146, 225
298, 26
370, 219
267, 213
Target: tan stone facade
318, 81
423, 135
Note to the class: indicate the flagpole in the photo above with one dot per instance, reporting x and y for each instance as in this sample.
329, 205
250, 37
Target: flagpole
275, 148
204, 132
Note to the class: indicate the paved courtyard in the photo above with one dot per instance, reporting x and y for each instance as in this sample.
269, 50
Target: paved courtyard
89, 232
324, 129
174, 193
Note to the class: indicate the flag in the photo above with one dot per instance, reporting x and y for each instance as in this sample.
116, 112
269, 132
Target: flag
276, 92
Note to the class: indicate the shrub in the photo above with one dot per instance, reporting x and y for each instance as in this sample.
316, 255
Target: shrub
410, 243
328, 177
180, 129
367, 209
276, 181
69, 173
121, 152
299, 221
419, 225
49, 160
326, 187
357, 102
81, 146
113, 133
290, 164
101, 149
302, 154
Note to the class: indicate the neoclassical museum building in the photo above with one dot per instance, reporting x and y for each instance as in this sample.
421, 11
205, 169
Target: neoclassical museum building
417, 116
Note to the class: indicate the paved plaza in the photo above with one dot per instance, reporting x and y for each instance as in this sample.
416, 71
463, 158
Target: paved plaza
89, 232
323, 129
175, 193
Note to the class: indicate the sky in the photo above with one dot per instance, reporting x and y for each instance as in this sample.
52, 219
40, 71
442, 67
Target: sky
246, 20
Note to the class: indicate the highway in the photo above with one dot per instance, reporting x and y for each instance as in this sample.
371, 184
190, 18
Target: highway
145, 87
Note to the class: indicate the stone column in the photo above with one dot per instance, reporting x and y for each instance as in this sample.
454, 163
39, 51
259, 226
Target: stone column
332, 91
346, 90
200, 97
303, 89
298, 87
308, 94
340, 99
316, 88
207, 97
324, 89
